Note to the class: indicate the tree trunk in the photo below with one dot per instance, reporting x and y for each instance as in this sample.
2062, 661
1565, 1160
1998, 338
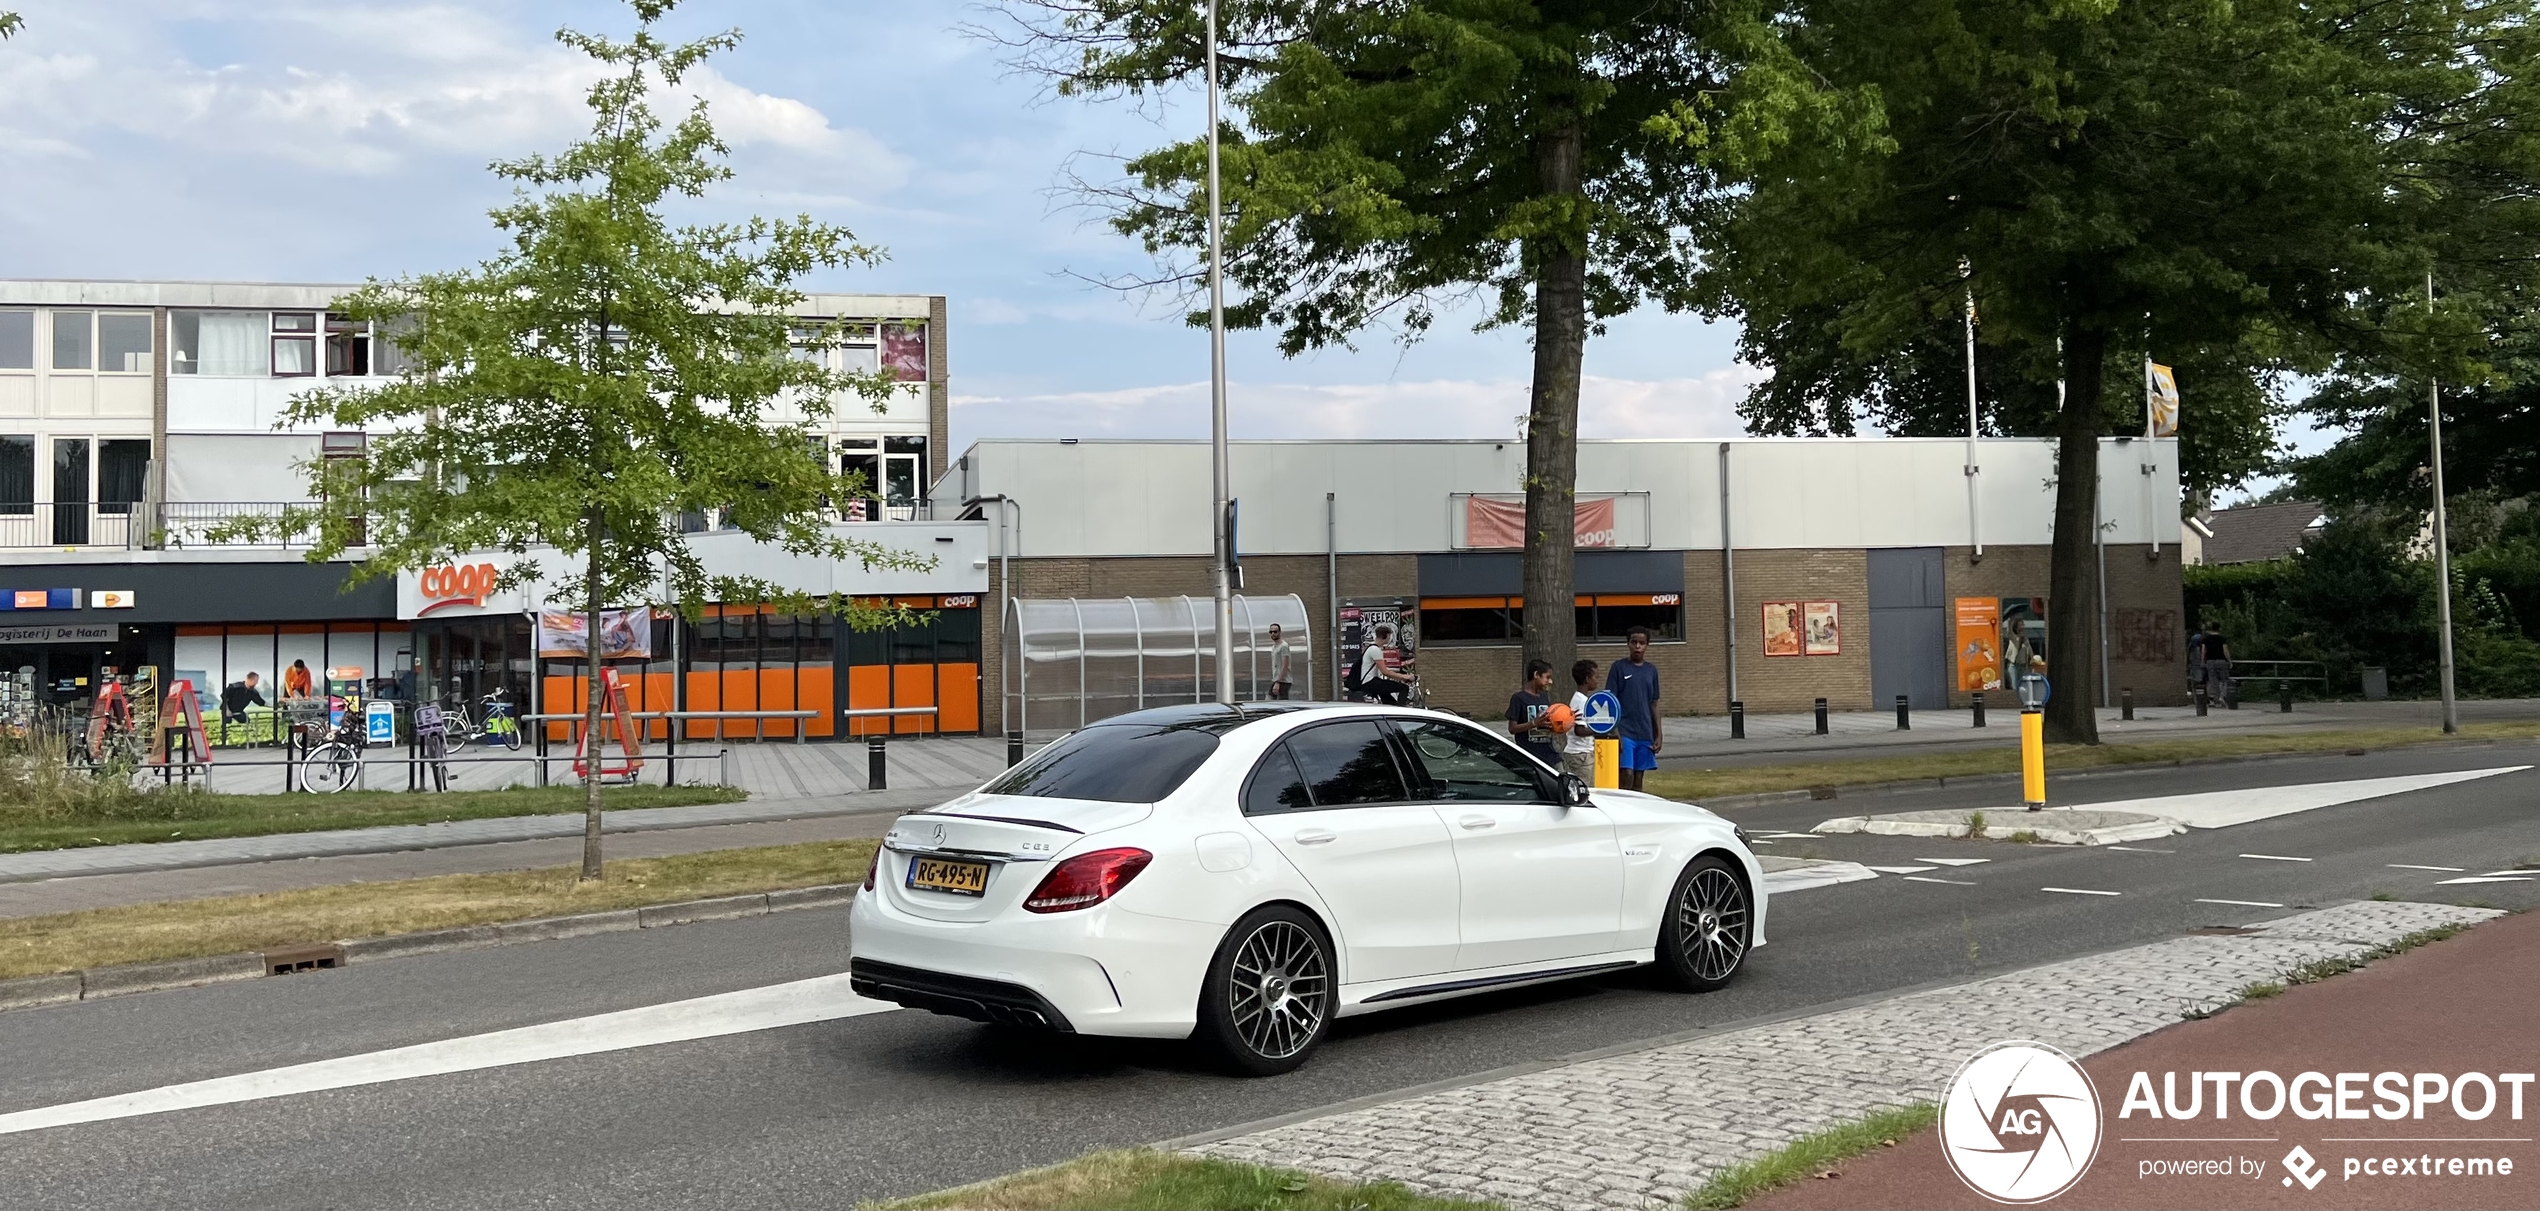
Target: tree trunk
2072, 583
591, 749
1552, 417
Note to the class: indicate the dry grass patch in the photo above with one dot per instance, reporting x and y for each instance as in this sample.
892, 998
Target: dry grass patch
1137, 1179
135, 933
1701, 784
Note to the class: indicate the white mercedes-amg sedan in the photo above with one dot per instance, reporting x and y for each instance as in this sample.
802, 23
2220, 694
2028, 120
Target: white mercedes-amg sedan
1245, 875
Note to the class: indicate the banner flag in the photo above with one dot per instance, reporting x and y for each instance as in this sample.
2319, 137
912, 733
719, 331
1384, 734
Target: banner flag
2160, 400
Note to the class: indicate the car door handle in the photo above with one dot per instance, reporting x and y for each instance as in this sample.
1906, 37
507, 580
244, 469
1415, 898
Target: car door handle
1314, 836
1478, 822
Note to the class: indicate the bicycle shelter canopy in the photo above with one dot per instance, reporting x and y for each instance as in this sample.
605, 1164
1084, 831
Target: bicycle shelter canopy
1076, 660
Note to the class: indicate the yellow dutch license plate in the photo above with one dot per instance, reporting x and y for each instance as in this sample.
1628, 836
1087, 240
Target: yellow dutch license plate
946, 874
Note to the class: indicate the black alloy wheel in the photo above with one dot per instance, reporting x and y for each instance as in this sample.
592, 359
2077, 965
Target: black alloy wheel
1710, 919
1269, 996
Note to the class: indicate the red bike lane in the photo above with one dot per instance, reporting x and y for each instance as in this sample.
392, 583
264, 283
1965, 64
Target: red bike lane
2447, 1010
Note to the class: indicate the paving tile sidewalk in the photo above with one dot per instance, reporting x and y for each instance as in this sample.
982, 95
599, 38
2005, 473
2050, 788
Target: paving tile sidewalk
1642, 1128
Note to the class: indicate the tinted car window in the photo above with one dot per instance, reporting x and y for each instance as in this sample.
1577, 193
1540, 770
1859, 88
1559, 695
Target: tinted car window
1276, 786
1346, 764
1115, 763
1462, 764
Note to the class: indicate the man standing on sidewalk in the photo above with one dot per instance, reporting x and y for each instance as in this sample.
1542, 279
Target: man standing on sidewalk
1634, 683
1526, 709
1579, 755
2217, 654
1282, 665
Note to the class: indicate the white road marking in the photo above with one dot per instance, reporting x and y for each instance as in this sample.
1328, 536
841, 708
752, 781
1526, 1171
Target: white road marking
2129, 849
1954, 861
2485, 879
1929, 879
1900, 870
1788, 836
2413, 866
792, 1004
2514, 872
2274, 858
2244, 903
2221, 809
2081, 891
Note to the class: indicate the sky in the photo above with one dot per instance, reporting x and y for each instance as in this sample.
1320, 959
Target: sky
296, 140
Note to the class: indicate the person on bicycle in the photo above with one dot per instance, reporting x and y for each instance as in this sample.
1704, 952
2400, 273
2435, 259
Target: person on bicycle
1377, 680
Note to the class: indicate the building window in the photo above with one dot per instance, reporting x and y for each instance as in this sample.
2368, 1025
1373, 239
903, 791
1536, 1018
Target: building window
17, 340
72, 331
123, 343
123, 470
70, 491
294, 356
1602, 618
17, 475
347, 347
904, 351
862, 354
228, 343
1611, 618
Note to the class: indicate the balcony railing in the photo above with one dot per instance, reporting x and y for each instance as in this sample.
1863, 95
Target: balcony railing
68, 524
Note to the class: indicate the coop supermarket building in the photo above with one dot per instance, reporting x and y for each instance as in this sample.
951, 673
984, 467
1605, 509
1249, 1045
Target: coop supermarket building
1771, 571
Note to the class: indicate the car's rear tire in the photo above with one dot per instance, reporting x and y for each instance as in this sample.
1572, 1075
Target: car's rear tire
1270, 992
1709, 924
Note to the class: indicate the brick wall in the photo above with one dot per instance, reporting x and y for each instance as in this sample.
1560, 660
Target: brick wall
2147, 647
1779, 684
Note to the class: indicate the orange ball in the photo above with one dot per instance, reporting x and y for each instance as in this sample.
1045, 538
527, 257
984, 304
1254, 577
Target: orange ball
1560, 718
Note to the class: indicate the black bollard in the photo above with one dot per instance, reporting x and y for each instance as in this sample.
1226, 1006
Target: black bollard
1978, 700
1737, 720
2200, 704
2284, 694
1013, 749
1904, 717
875, 776
2125, 698
1821, 716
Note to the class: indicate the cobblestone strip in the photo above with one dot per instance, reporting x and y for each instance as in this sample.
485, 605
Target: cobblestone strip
1641, 1129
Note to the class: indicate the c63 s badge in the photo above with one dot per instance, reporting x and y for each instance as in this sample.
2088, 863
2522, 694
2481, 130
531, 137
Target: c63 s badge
2020, 1122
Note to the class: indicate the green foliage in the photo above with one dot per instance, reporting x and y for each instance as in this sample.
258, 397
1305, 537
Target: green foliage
604, 374
10, 24
1809, 1155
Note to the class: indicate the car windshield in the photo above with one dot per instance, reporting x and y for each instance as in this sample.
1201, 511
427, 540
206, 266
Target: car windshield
1114, 763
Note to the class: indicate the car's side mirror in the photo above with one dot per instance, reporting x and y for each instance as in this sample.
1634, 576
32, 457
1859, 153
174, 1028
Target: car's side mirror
1574, 790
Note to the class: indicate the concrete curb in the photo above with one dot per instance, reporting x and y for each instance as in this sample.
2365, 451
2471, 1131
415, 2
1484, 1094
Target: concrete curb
28, 992
2044, 831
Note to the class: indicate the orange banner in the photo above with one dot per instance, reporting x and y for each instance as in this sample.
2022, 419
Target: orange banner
1979, 640
1490, 522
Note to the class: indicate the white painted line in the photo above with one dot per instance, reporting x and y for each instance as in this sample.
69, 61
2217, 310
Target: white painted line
2080, 891
2514, 872
1954, 861
2128, 849
2413, 866
1791, 836
2221, 809
1929, 879
2485, 879
2274, 858
793, 1004
1900, 870
2244, 903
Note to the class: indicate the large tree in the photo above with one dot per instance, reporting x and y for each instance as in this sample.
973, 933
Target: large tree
1386, 161
606, 375
2238, 187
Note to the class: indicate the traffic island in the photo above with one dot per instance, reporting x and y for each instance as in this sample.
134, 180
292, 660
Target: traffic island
2053, 826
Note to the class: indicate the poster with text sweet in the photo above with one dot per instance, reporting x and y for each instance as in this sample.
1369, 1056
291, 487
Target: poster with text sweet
1825, 629
1783, 628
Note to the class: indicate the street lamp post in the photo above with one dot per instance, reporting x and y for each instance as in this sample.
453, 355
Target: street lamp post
2442, 536
1222, 509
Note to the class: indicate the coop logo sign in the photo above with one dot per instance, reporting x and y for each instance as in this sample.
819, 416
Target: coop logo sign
447, 585
2020, 1122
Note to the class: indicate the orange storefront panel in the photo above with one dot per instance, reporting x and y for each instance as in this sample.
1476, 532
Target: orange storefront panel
958, 690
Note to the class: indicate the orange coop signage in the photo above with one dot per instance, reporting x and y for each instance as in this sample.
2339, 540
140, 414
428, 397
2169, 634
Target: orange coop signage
447, 585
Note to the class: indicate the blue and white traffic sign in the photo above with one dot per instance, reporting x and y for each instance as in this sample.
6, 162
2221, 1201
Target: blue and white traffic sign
1604, 710
381, 720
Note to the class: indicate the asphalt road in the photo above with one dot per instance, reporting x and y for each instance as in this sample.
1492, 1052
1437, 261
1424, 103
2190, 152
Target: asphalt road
825, 1114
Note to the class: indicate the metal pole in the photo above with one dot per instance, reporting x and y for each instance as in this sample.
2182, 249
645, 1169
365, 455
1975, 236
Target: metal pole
2442, 535
1331, 581
1223, 606
1728, 574
1975, 531
2099, 546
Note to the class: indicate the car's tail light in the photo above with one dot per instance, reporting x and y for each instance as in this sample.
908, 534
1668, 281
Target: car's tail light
872, 867
1087, 879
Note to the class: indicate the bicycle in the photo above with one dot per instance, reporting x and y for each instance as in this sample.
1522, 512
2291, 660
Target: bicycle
334, 762
501, 726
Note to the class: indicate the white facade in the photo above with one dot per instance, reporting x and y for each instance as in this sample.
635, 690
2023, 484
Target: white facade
1113, 498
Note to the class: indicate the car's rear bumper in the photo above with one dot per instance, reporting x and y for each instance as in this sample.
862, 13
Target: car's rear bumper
957, 996
1102, 971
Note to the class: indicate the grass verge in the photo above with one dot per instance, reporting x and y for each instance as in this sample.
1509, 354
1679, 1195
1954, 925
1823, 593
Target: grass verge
136, 933
1709, 783
1139, 1179
1808, 1156
193, 816
2319, 969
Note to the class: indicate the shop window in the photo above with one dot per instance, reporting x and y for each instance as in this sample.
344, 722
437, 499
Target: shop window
228, 343
123, 468
1471, 624
294, 344
957, 636
17, 475
72, 331
17, 340
1614, 621
123, 343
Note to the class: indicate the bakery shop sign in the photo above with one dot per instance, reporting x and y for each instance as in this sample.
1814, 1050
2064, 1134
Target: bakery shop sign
447, 585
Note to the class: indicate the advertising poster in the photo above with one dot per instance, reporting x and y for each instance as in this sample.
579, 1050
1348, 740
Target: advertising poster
904, 351
1979, 643
624, 634
1825, 629
1392, 621
1783, 628
2023, 637
1493, 523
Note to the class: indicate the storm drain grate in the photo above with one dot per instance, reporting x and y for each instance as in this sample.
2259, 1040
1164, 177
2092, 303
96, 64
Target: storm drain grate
315, 957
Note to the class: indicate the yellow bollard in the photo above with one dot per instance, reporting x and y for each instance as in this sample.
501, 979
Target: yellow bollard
1609, 763
2033, 757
